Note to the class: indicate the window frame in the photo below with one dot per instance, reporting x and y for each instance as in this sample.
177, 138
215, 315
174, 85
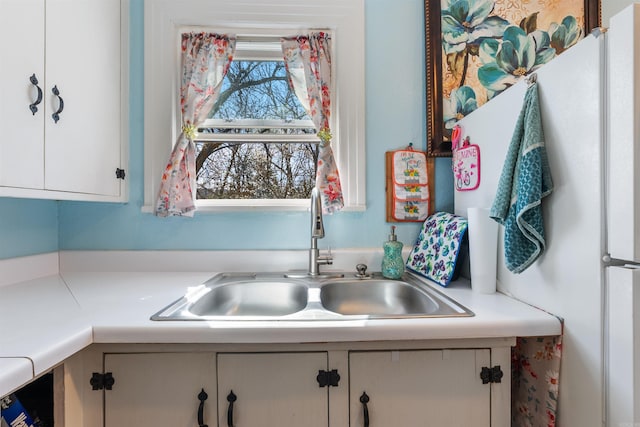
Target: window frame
165, 21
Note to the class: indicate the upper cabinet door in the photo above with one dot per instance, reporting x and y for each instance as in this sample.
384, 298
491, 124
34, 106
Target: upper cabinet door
83, 60
21, 127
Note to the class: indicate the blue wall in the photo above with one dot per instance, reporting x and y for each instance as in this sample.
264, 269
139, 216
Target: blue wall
395, 116
27, 227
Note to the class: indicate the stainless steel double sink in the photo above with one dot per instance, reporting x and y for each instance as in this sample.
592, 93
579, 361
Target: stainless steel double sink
281, 296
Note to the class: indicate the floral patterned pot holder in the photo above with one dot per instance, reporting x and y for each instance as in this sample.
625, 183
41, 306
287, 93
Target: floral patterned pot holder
410, 186
436, 253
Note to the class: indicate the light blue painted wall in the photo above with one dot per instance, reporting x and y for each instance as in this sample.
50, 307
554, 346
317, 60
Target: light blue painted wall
27, 227
395, 116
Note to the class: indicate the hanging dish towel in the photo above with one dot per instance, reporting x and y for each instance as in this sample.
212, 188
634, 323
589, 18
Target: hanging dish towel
525, 181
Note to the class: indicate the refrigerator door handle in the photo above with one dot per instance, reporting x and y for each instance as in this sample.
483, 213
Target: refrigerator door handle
615, 262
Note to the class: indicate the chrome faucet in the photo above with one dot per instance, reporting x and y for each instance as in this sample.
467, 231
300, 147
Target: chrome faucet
317, 232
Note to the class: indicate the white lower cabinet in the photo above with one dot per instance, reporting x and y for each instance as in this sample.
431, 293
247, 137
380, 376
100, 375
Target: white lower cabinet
419, 388
272, 389
159, 389
276, 385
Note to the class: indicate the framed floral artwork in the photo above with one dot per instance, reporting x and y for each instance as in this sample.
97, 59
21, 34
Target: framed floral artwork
476, 49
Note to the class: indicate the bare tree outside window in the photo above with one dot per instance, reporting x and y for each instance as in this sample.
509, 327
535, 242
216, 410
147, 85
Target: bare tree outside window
258, 142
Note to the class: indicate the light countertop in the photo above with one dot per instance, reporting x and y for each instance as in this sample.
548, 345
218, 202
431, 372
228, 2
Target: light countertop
49, 318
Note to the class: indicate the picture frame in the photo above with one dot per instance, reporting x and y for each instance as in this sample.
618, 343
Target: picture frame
438, 142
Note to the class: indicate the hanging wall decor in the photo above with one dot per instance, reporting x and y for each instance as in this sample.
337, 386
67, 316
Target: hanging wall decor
465, 162
476, 49
407, 186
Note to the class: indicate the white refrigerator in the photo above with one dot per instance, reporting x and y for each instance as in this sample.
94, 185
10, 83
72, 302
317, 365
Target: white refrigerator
590, 105
622, 216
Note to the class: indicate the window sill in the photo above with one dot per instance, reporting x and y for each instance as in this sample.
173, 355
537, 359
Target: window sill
297, 205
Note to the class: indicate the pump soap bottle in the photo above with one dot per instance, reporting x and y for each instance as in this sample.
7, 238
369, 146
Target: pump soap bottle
392, 263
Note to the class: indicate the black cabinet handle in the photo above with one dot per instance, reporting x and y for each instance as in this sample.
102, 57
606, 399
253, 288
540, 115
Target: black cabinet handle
364, 399
56, 115
34, 107
230, 398
202, 396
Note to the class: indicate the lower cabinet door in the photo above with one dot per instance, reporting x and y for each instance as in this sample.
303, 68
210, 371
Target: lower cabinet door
272, 390
160, 389
419, 388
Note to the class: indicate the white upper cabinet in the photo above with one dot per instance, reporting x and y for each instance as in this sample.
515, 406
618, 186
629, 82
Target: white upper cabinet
21, 130
82, 149
76, 48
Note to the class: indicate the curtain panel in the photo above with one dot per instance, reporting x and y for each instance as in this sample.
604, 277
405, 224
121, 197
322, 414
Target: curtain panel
308, 62
205, 61
535, 370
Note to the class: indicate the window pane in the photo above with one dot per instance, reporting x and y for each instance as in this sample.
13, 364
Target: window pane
256, 170
256, 102
258, 90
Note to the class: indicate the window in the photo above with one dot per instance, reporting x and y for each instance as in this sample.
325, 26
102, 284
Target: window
259, 142
281, 142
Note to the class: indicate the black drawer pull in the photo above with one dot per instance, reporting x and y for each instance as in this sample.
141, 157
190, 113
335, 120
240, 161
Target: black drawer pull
230, 398
56, 115
364, 399
202, 396
34, 106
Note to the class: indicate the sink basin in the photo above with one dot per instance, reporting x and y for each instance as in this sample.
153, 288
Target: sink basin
251, 298
377, 297
281, 296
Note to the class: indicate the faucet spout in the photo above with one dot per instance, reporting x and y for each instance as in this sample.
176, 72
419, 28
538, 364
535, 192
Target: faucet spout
317, 232
317, 225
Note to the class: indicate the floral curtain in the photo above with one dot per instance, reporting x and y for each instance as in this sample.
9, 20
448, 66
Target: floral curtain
205, 61
308, 62
535, 369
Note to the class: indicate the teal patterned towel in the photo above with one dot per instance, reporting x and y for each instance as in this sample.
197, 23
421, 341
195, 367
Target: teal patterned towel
525, 181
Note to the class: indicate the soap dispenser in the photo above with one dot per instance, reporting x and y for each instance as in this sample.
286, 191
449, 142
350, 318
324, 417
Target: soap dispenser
392, 263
